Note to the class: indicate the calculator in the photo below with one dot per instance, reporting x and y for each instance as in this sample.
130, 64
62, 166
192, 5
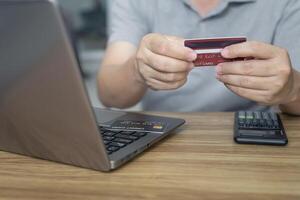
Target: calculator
257, 127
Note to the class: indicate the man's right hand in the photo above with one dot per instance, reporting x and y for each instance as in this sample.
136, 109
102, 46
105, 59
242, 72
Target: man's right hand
163, 62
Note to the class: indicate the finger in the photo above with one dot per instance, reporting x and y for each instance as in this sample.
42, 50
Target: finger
166, 77
171, 47
250, 49
159, 85
249, 82
254, 95
167, 64
260, 68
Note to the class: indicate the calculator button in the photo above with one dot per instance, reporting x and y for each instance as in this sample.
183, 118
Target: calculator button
269, 123
249, 115
262, 123
255, 122
276, 124
274, 116
257, 115
265, 115
241, 121
248, 123
242, 115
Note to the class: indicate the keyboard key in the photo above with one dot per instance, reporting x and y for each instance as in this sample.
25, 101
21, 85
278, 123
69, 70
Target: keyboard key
108, 138
117, 144
126, 141
127, 132
109, 133
139, 134
129, 137
102, 128
113, 148
106, 142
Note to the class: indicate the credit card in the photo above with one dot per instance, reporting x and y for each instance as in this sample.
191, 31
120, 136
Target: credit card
209, 49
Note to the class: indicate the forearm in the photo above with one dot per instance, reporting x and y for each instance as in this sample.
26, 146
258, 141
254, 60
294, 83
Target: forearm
120, 86
294, 106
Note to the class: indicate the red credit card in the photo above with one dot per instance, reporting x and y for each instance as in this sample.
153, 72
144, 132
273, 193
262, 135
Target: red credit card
209, 49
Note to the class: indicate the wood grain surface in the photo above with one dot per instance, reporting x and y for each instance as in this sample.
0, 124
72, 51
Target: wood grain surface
199, 161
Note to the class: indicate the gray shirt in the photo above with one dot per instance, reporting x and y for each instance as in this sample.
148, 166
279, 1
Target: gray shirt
272, 21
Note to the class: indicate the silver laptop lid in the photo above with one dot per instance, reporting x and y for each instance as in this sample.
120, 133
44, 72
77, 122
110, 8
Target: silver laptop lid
44, 109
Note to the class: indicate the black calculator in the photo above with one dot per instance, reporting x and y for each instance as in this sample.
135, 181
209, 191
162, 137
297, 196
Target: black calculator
257, 127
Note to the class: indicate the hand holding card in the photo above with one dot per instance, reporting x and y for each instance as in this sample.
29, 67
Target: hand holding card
162, 62
209, 49
268, 78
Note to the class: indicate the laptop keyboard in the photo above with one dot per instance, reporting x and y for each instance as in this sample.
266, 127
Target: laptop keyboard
116, 140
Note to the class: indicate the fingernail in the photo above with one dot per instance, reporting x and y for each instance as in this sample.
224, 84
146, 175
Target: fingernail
225, 53
192, 56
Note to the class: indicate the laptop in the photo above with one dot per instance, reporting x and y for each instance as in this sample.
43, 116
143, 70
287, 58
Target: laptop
45, 111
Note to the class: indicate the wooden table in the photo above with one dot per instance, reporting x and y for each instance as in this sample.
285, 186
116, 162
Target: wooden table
200, 161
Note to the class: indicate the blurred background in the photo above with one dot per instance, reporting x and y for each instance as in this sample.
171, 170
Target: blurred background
87, 22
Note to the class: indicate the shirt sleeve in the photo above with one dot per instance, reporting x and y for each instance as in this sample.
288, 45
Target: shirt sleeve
128, 22
287, 34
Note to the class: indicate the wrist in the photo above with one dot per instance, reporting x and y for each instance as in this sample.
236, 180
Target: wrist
297, 83
295, 91
293, 106
137, 76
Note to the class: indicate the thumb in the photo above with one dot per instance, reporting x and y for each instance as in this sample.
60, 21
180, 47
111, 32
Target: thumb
175, 40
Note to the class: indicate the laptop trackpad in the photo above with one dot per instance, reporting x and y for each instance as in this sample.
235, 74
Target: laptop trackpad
104, 116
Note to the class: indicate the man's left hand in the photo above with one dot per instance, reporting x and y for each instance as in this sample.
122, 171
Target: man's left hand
267, 79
